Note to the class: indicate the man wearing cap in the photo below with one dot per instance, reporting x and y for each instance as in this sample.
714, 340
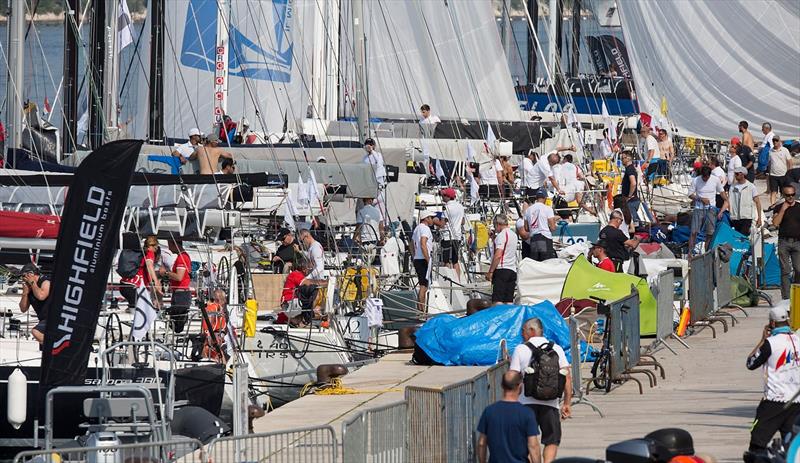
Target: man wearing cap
735, 161
185, 151
540, 221
604, 262
284, 257
422, 241
451, 225
503, 269
744, 203
778, 353
35, 291
209, 155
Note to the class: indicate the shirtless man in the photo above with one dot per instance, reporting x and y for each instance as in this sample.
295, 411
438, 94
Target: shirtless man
747, 137
209, 155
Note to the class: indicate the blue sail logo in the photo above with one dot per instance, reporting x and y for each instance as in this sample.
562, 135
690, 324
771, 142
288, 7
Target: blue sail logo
265, 57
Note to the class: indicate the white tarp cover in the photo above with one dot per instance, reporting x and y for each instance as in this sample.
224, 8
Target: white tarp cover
445, 54
541, 281
717, 62
269, 55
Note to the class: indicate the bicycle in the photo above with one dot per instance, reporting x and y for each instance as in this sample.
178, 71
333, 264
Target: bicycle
601, 368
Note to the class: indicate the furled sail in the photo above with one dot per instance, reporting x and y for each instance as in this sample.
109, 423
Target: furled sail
717, 62
443, 53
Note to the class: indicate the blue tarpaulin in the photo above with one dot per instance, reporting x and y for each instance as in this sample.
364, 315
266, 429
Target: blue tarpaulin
475, 340
771, 271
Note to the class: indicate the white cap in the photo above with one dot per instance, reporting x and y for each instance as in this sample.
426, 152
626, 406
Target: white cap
321, 158
780, 312
194, 131
245, 122
425, 214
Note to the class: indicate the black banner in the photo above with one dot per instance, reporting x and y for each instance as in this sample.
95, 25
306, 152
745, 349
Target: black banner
609, 56
84, 252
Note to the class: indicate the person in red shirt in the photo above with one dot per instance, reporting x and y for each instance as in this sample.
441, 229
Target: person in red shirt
148, 274
603, 261
295, 279
180, 282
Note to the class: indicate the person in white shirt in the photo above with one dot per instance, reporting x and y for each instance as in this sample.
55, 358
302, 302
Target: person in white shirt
186, 150
316, 258
375, 160
369, 224
651, 148
427, 117
735, 161
744, 203
571, 179
451, 226
540, 222
543, 172
766, 129
717, 171
703, 191
422, 241
549, 413
503, 270
780, 162
528, 164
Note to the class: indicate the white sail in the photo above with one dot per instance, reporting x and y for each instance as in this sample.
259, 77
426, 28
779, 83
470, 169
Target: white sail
717, 62
445, 54
270, 53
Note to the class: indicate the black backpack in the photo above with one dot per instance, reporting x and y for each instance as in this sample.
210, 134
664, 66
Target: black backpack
546, 382
128, 263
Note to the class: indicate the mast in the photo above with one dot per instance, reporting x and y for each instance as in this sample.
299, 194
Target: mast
576, 37
533, 12
362, 97
221, 63
69, 126
553, 32
156, 103
16, 68
97, 71
111, 75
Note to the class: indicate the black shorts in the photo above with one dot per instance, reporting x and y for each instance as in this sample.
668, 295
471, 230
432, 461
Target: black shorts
775, 183
421, 266
450, 251
772, 417
179, 308
504, 284
549, 420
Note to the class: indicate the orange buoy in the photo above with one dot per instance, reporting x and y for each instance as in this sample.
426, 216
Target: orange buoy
684, 321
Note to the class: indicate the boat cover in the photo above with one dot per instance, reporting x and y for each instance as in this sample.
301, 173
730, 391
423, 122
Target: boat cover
585, 280
475, 340
541, 281
27, 225
770, 274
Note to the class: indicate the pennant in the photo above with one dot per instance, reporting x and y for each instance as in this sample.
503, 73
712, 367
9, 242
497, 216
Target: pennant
311, 187
302, 191
664, 107
440, 172
473, 190
491, 140
289, 212
470, 152
125, 31
96, 202
47, 108
646, 119
145, 314
612, 128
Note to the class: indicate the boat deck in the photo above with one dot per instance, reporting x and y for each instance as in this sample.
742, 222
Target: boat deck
378, 384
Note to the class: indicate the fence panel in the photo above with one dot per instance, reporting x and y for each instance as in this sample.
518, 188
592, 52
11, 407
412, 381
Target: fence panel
701, 286
425, 413
664, 291
185, 450
458, 419
317, 444
624, 333
722, 276
386, 430
354, 439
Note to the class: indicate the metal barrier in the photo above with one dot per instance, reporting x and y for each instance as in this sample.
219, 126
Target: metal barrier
575, 367
185, 450
703, 279
376, 435
722, 275
664, 291
317, 444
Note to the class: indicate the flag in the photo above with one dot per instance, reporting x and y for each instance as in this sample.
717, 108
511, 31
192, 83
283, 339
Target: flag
440, 172
47, 108
302, 191
125, 31
612, 129
646, 119
289, 212
491, 140
145, 314
311, 187
470, 153
473, 190
88, 234
664, 106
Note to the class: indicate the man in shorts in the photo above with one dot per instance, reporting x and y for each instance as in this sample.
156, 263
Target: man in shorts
503, 270
422, 240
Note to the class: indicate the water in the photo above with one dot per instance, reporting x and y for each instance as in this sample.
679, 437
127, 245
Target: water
44, 61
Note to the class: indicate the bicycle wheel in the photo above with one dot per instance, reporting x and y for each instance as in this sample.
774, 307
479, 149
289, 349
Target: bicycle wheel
601, 372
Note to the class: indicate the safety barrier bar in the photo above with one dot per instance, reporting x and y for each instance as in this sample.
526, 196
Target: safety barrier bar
664, 291
185, 450
722, 276
575, 367
315, 443
701, 287
376, 435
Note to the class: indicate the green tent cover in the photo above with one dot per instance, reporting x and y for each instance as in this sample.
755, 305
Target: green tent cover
584, 280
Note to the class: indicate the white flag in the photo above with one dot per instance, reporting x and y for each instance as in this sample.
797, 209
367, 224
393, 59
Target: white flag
473, 190
470, 153
289, 212
491, 140
311, 187
125, 31
302, 191
145, 314
440, 172
612, 129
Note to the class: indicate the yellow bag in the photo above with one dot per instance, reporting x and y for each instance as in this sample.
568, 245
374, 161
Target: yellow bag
354, 285
481, 234
250, 316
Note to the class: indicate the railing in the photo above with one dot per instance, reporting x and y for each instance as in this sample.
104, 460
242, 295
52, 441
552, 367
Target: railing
317, 444
376, 435
664, 291
701, 287
184, 450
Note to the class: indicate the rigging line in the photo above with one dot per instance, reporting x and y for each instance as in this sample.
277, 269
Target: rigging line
135, 54
181, 77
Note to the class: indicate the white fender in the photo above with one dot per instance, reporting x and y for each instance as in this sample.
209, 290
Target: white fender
17, 398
